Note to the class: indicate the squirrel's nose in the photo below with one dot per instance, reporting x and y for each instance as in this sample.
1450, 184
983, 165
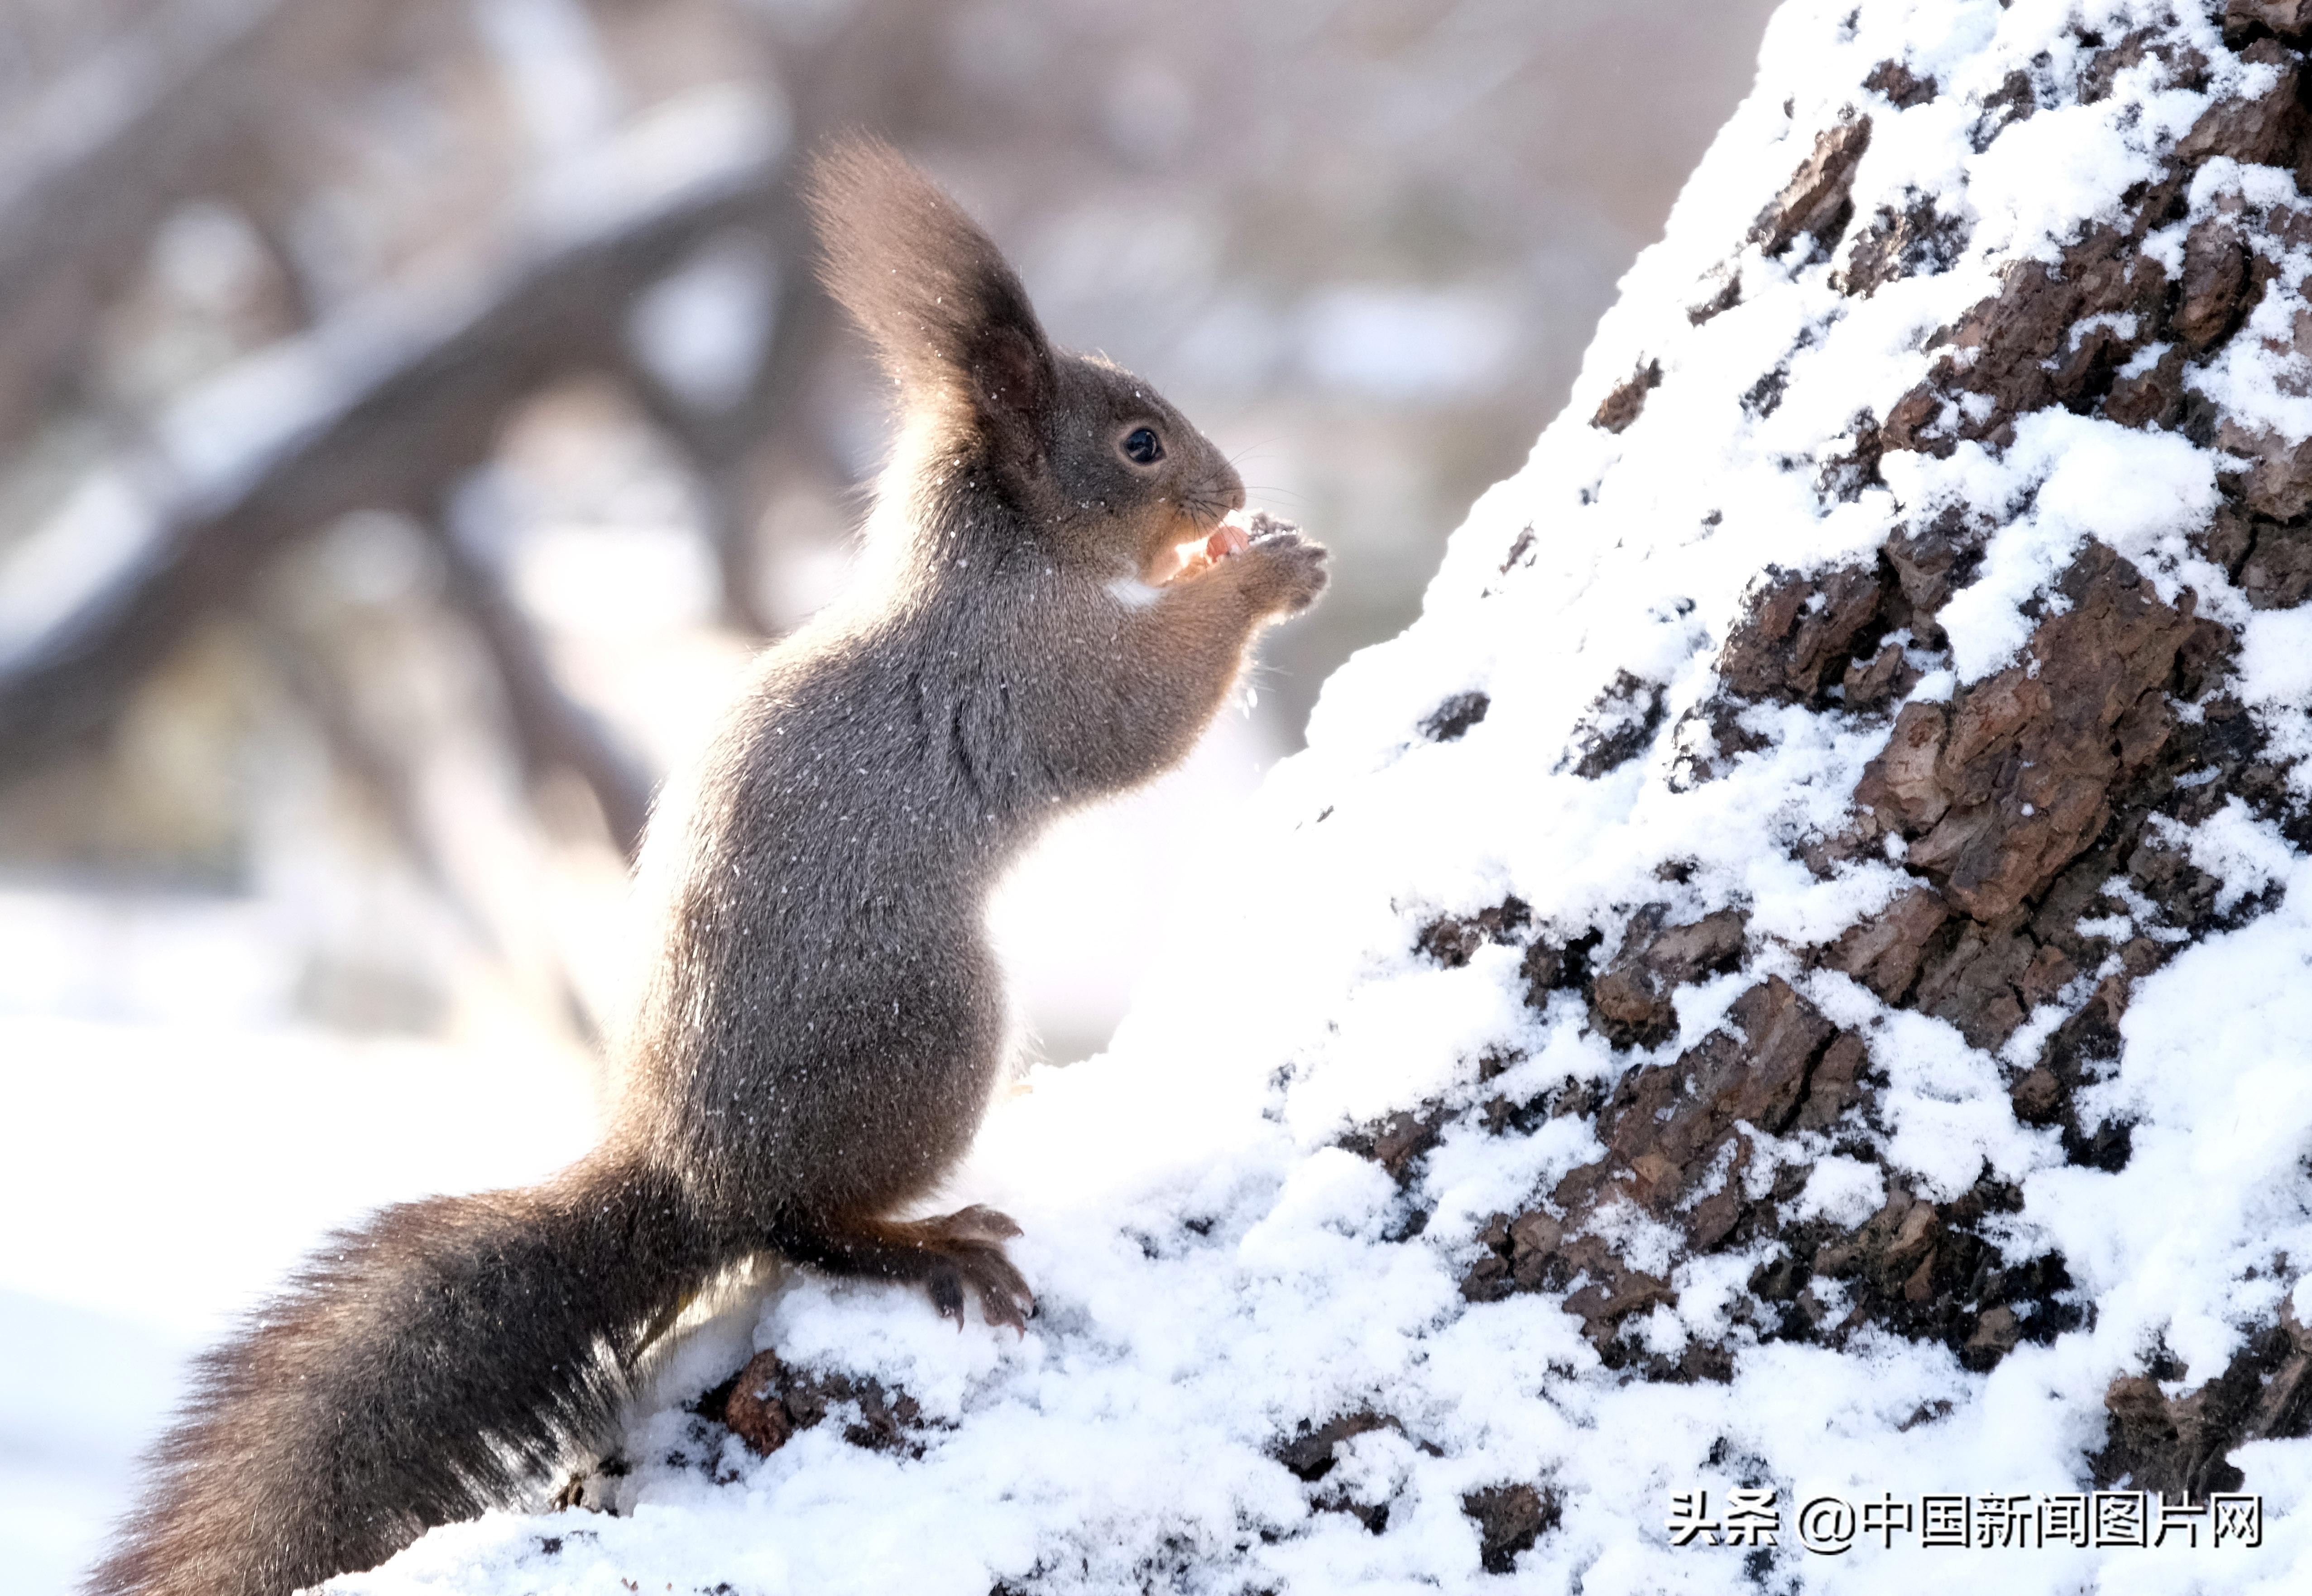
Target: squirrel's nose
1235, 494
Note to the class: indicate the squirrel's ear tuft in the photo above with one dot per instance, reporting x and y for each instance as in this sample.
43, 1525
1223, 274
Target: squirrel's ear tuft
946, 313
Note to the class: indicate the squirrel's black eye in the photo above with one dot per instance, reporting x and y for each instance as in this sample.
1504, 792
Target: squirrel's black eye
1143, 447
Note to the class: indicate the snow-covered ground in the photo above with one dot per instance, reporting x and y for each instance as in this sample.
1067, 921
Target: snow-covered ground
177, 1143
163, 1172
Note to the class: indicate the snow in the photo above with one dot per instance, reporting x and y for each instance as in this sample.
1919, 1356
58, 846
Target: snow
136, 1237
1844, 1190
1213, 1269
70, 560
81, 1393
2065, 466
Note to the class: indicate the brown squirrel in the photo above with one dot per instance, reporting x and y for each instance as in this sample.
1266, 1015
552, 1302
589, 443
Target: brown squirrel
825, 1025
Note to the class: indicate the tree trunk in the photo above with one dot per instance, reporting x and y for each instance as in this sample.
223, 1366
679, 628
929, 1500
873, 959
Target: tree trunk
1791, 976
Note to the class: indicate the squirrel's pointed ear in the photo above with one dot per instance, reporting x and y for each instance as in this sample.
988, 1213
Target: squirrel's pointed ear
947, 314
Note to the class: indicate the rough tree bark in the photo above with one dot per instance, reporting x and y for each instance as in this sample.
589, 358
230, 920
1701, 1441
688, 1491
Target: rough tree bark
2042, 811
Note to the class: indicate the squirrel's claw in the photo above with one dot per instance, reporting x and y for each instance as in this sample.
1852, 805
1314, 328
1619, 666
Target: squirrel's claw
1005, 1298
982, 1223
963, 1252
945, 1284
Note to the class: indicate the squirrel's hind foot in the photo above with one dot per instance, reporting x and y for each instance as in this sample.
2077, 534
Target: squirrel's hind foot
1003, 1296
950, 1254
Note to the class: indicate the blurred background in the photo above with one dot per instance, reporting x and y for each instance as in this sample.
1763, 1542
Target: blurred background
413, 412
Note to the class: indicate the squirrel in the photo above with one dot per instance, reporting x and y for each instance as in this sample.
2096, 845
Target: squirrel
824, 1024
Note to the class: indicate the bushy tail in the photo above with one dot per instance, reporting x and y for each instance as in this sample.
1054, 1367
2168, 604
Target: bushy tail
422, 1368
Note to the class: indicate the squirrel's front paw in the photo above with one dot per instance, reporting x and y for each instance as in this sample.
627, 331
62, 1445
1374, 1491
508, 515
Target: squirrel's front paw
1283, 571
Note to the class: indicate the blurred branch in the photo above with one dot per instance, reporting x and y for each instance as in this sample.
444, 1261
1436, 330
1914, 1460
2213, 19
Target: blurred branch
389, 401
384, 772
725, 444
109, 150
866, 74
119, 141
313, 684
553, 729
382, 407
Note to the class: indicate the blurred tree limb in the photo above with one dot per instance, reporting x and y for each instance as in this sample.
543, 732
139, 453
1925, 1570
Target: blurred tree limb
184, 105
383, 407
389, 402
384, 769
725, 444
553, 729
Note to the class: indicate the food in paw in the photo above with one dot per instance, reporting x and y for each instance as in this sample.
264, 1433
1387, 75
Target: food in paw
1230, 537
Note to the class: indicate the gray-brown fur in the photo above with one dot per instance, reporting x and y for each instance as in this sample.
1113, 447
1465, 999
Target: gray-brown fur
826, 1023
418, 1370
